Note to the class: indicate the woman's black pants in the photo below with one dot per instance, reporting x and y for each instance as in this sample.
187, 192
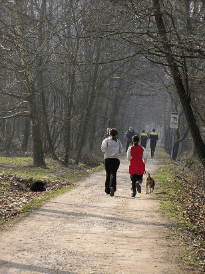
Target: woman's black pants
111, 167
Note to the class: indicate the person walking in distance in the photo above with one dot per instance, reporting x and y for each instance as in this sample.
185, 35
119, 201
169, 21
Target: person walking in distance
143, 138
128, 137
153, 141
112, 148
137, 157
107, 134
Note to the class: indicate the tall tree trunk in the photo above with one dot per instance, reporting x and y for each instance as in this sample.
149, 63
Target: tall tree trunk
38, 155
176, 145
67, 142
183, 95
9, 135
40, 82
46, 126
93, 129
69, 107
89, 107
26, 135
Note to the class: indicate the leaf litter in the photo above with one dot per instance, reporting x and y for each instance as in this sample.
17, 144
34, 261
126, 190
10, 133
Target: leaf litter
15, 193
191, 196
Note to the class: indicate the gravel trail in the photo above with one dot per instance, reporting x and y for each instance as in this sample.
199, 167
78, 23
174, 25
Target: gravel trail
85, 231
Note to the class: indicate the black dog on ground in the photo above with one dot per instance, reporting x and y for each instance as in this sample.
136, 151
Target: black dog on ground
38, 185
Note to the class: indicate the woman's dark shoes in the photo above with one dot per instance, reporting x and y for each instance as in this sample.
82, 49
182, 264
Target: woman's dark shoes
107, 191
112, 191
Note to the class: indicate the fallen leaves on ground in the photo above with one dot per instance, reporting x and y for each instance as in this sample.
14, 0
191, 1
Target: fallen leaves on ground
194, 211
15, 193
192, 198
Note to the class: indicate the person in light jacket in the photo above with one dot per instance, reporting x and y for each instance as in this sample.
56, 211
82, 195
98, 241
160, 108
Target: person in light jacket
112, 149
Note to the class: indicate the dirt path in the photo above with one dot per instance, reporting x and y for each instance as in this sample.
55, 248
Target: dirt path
86, 231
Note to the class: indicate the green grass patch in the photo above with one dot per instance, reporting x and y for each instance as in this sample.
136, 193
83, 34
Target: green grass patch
27, 172
20, 161
99, 168
23, 167
169, 236
169, 189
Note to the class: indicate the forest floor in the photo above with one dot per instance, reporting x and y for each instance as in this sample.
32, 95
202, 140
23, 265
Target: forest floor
86, 231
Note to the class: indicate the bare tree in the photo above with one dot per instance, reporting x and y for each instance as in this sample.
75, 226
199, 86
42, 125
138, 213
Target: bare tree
74, 72
166, 39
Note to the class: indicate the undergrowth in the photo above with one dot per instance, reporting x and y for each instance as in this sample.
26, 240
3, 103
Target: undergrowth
182, 201
16, 176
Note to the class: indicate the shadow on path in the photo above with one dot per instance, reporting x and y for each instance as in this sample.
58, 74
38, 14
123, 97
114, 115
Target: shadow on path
31, 268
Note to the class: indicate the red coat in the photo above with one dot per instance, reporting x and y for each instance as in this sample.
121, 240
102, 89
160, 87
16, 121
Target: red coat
137, 166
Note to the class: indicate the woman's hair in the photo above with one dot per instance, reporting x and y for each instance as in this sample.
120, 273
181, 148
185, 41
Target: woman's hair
135, 140
114, 133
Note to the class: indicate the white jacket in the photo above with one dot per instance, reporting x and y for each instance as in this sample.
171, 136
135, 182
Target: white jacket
111, 148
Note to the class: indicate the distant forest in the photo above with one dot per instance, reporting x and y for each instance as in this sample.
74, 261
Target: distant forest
71, 68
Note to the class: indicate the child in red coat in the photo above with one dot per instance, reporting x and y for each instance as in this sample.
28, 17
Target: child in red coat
137, 157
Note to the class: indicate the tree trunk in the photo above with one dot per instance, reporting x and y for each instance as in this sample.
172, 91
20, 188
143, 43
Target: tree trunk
38, 156
47, 131
183, 95
67, 143
40, 82
26, 135
67, 136
93, 129
68, 111
9, 135
89, 107
176, 145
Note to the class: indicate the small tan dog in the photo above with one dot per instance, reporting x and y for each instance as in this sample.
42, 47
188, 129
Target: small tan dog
149, 183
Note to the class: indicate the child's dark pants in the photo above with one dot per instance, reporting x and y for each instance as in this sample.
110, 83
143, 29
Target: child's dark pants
135, 178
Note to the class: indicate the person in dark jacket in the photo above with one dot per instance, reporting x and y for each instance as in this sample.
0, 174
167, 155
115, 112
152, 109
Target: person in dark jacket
144, 139
153, 141
128, 137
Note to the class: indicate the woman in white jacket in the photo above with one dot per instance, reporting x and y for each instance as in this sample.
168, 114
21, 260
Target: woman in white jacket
112, 148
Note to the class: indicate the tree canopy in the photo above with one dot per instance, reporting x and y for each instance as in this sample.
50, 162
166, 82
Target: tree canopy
70, 69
